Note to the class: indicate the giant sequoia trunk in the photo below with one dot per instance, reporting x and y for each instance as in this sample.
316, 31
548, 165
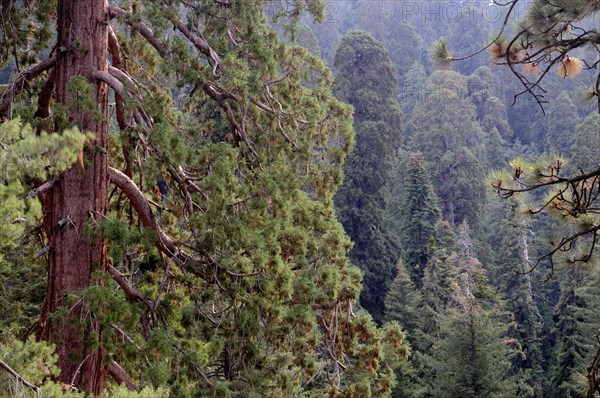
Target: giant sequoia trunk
79, 197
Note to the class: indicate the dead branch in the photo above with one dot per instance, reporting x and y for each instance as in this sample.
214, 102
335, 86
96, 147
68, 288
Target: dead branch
42, 188
20, 378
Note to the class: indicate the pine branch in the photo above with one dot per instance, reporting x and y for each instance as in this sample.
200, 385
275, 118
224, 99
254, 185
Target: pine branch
558, 180
119, 62
201, 44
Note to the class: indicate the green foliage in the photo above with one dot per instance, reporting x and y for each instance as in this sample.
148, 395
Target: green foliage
562, 120
419, 213
471, 357
578, 318
584, 155
445, 130
511, 256
27, 155
35, 361
441, 56
399, 304
261, 300
366, 79
364, 63
262, 305
483, 88
25, 159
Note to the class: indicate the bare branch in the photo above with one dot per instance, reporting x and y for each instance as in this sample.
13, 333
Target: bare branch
131, 292
120, 376
17, 376
21, 81
140, 27
42, 188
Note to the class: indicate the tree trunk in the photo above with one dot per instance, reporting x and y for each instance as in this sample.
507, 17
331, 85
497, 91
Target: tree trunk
79, 197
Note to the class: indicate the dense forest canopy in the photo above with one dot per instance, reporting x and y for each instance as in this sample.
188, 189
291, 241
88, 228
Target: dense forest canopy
250, 198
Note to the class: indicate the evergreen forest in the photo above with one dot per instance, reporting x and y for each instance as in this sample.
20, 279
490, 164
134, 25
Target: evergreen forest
300, 198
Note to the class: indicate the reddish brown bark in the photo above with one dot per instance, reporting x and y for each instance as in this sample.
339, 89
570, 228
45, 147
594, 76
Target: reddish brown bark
78, 197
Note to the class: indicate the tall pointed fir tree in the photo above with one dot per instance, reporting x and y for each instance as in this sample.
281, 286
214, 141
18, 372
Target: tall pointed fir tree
366, 79
471, 356
429, 308
400, 307
586, 156
419, 213
188, 224
578, 316
562, 120
399, 301
513, 256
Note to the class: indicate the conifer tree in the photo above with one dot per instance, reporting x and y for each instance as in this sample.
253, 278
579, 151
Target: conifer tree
399, 301
484, 90
586, 156
576, 328
495, 148
400, 307
471, 357
419, 214
562, 120
445, 130
366, 79
430, 307
412, 89
514, 254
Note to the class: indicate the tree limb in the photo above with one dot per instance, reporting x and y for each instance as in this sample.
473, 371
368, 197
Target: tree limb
22, 80
142, 207
17, 376
557, 180
109, 79
140, 27
200, 43
45, 96
131, 293
120, 376
42, 188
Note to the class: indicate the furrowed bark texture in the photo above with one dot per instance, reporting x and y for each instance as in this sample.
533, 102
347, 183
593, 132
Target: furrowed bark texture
79, 197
